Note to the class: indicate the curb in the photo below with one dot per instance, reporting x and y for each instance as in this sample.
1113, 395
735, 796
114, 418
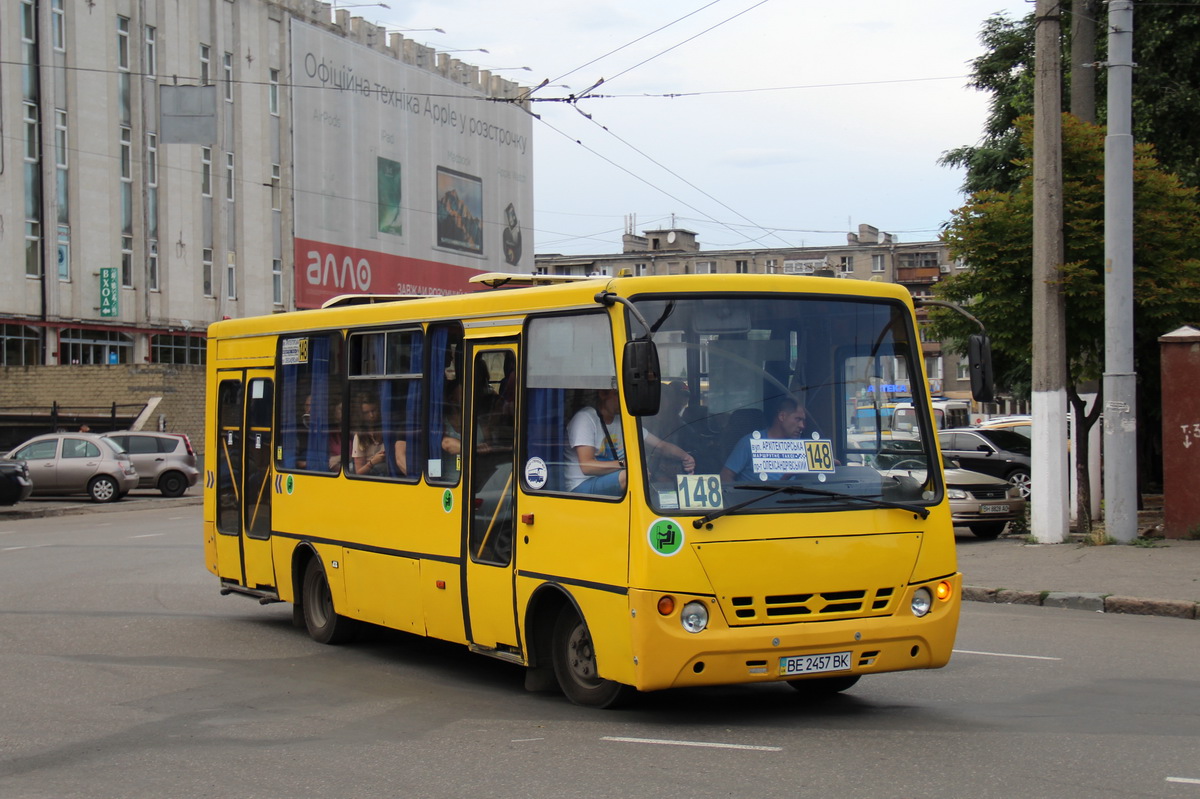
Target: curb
32, 509
1098, 603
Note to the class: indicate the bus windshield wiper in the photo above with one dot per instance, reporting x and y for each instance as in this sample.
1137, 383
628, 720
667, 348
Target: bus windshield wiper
773, 490
920, 510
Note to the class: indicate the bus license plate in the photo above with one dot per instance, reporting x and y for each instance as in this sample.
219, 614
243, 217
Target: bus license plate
814, 664
993, 509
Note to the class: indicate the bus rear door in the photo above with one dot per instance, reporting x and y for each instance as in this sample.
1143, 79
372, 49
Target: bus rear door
491, 497
245, 407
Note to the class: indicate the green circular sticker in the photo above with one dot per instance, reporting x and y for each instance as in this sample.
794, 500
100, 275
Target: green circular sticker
291, 484
666, 536
447, 500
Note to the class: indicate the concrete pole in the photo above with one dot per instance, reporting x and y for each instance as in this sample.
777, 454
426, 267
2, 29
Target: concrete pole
1051, 492
1120, 385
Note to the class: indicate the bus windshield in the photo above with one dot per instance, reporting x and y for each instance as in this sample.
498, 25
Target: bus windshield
797, 391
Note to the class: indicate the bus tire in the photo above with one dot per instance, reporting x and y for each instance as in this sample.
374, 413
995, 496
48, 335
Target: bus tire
575, 665
324, 625
817, 688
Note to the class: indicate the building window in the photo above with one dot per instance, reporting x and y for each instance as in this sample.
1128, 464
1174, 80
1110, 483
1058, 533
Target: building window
877, 263
171, 348
771, 262
276, 193
60, 166
64, 253
914, 260
742, 267
152, 184
706, 268
21, 345
95, 347
151, 52
277, 281
33, 248
206, 171
152, 264
123, 43
230, 276
933, 366
31, 133
846, 264
205, 64
273, 92
206, 269
127, 262
963, 370
229, 176
227, 67
126, 180
639, 270
28, 29
58, 25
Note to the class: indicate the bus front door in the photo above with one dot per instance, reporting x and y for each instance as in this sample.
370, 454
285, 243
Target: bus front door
245, 407
490, 506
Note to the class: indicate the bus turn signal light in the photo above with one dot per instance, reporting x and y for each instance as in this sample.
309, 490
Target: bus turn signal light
943, 590
666, 605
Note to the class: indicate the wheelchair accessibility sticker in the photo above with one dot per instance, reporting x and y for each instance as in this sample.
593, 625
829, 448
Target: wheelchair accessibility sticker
447, 500
665, 536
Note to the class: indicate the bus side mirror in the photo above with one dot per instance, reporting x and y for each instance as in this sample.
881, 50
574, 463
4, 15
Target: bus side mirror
979, 363
640, 377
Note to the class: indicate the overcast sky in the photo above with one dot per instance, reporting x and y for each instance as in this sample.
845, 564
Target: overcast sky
875, 94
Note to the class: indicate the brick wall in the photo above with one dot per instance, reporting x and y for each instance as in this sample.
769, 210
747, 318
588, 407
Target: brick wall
181, 389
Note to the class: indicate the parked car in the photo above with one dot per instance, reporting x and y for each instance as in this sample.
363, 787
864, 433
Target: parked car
78, 463
1017, 424
15, 484
1000, 453
978, 501
165, 461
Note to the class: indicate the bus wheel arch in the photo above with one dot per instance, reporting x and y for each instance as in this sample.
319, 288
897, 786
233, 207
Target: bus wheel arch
325, 625
547, 602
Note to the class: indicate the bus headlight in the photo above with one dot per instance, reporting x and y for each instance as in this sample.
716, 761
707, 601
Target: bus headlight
694, 617
922, 601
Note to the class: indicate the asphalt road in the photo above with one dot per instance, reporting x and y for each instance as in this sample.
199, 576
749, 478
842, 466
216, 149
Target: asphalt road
123, 673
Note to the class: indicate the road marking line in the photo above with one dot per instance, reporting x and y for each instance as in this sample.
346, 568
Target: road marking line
663, 742
147, 535
1002, 655
1185, 780
526, 740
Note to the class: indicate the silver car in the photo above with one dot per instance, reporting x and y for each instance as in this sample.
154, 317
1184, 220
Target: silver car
77, 463
165, 461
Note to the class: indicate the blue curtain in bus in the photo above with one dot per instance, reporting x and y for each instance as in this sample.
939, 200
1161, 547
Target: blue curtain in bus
317, 452
438, 342
291, 406
547, 433
412, 410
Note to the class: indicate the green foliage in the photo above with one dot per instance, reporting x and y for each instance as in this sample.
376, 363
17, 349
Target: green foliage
993, 233
1166, 91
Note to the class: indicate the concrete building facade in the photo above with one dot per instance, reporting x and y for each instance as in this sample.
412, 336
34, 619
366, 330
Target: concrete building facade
148, 171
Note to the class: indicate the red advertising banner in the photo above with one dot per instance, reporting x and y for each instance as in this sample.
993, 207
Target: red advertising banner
325, 271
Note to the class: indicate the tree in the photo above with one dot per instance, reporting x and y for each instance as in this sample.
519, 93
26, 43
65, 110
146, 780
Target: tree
992, 233
1166, 90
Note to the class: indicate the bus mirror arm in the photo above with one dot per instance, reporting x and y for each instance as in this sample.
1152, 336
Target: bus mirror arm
640, 375
608, 299
979, 351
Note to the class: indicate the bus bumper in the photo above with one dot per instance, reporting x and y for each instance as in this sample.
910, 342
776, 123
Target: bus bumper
667, 656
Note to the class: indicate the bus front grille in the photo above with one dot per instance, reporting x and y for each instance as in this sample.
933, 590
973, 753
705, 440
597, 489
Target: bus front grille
774, 608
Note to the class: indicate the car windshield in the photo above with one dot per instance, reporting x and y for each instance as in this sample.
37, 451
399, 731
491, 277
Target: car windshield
1007, 439
763, 391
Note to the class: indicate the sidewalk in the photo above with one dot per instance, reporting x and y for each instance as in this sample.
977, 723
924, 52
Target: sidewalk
1159, 578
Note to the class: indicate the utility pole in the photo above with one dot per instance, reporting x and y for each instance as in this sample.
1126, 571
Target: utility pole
1051, 493
1083, 57
1120, 384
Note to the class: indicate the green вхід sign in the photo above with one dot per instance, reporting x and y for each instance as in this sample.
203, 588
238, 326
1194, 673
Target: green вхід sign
108, 291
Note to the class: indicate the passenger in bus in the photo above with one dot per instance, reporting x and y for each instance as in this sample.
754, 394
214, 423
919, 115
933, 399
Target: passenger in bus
367, 450
669, 426
595, 456
789, 421
452, 432
334, 433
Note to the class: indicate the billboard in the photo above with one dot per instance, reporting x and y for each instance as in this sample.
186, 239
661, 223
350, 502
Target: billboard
404, 181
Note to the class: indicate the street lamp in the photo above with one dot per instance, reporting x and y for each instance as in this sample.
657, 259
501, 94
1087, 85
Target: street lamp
506, 69
338, 5
414, 30
468, 50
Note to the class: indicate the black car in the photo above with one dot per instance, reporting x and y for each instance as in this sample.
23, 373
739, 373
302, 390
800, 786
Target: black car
15, 484
1000, 453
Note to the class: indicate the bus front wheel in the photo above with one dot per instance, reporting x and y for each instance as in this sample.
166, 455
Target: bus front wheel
575, 665
324, 625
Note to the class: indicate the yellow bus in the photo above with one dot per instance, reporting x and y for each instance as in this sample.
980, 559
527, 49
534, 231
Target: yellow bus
619, 483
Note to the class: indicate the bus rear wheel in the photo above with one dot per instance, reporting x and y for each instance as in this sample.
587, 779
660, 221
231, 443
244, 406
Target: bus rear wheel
324, 625
575, 665
823, 687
